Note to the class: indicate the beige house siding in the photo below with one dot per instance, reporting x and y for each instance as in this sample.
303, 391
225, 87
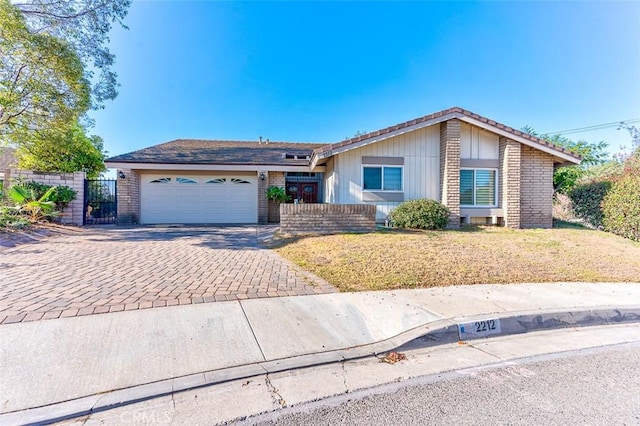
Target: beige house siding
536, 184
330, 182
477, 143
419, 149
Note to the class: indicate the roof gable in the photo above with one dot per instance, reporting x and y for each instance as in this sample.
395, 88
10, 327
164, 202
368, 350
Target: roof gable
439, 117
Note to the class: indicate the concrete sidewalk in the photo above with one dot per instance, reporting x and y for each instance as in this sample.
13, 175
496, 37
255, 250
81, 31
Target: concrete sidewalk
67, 367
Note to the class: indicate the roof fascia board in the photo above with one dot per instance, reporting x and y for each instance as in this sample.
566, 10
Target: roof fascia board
216, 167
549, 150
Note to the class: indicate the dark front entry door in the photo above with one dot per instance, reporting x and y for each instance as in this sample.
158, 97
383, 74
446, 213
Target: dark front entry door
307, 192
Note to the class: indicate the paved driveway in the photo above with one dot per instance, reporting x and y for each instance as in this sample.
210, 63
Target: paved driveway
92, 271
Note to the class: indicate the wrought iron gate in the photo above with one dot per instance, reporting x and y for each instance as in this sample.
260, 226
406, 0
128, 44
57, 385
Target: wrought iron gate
100, 202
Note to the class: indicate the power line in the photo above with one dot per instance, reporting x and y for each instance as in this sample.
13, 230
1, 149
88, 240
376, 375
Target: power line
594, 127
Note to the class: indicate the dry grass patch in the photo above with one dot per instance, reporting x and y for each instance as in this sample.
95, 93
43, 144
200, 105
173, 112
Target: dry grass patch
413, 259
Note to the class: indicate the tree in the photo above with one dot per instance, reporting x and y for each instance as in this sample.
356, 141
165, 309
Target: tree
593, 154
42, 83
84, 25
67, 151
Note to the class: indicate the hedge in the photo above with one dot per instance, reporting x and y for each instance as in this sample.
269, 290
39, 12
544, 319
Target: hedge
587, 200
621, 207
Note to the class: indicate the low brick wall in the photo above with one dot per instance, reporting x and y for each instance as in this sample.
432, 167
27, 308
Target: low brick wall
327, 218
73, 213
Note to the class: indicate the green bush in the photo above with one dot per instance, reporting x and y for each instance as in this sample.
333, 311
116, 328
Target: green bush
277, 194
587, 200
61, 196
621, 207
10, 218
420, 214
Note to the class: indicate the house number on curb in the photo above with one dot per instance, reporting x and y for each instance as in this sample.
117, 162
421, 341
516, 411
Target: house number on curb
481, 328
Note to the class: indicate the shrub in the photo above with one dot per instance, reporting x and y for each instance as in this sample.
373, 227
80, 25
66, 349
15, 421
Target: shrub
621, 207
587, 199
10, 218
61, 196
26, 202
420, 214
277, 194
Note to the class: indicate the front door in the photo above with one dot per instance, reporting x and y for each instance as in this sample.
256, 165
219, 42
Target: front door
306, 192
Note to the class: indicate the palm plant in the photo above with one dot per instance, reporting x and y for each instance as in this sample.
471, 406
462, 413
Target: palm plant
26, 201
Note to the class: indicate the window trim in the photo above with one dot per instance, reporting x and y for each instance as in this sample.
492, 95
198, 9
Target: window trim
382, 166
495, 188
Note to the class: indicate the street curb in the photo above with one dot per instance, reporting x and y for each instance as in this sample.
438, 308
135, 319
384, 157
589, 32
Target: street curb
432, 334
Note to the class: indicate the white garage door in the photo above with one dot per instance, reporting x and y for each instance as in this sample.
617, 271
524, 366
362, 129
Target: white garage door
170, 198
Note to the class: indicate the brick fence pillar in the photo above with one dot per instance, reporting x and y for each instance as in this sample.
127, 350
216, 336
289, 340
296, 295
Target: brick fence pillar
450, 169
510, 181
128, 197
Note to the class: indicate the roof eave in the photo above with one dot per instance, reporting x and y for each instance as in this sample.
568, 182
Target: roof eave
276, 167
564, 156
333, 149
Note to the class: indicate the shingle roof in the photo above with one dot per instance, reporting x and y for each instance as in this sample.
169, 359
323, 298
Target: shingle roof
455, 110
195, 151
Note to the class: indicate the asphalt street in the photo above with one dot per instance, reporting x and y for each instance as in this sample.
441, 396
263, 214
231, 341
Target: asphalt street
591, 386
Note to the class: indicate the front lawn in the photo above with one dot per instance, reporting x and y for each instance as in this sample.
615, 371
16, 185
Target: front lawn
392, 259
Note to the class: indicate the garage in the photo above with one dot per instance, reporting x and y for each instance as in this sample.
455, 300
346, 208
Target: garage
188, 198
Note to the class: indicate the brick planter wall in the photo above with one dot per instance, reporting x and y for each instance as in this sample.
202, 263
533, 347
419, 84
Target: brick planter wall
73, 213
327, 218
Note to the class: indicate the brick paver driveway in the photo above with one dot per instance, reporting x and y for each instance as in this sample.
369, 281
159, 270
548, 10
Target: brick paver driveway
94, 271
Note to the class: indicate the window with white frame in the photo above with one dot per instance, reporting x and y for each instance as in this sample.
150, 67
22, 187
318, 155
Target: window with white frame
478, 187
382, 178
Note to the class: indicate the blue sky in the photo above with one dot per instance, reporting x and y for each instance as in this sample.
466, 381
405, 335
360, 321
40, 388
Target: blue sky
322, 71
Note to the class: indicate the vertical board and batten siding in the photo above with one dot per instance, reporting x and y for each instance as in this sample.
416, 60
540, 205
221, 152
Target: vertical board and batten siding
421, 176
478, 144
330, 182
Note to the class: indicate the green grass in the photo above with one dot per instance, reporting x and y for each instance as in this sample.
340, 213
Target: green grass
392, 259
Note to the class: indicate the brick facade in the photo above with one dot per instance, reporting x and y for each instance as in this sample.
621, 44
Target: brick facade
272, 208
327, 218
129, 197
509, 181
263, 212
73, 214
536, 183
450, 169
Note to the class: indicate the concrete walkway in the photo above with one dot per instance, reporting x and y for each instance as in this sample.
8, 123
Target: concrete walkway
73, 366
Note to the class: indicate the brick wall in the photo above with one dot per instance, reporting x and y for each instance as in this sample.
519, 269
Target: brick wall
273, 211
129, 197
509, 181
450, 169
327, 218
263, 212
536, 184
73, 214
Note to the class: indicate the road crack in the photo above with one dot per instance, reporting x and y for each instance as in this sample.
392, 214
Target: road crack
273, 391
344, 375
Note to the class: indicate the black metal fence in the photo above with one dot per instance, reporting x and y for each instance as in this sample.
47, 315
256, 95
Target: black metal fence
100, 202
